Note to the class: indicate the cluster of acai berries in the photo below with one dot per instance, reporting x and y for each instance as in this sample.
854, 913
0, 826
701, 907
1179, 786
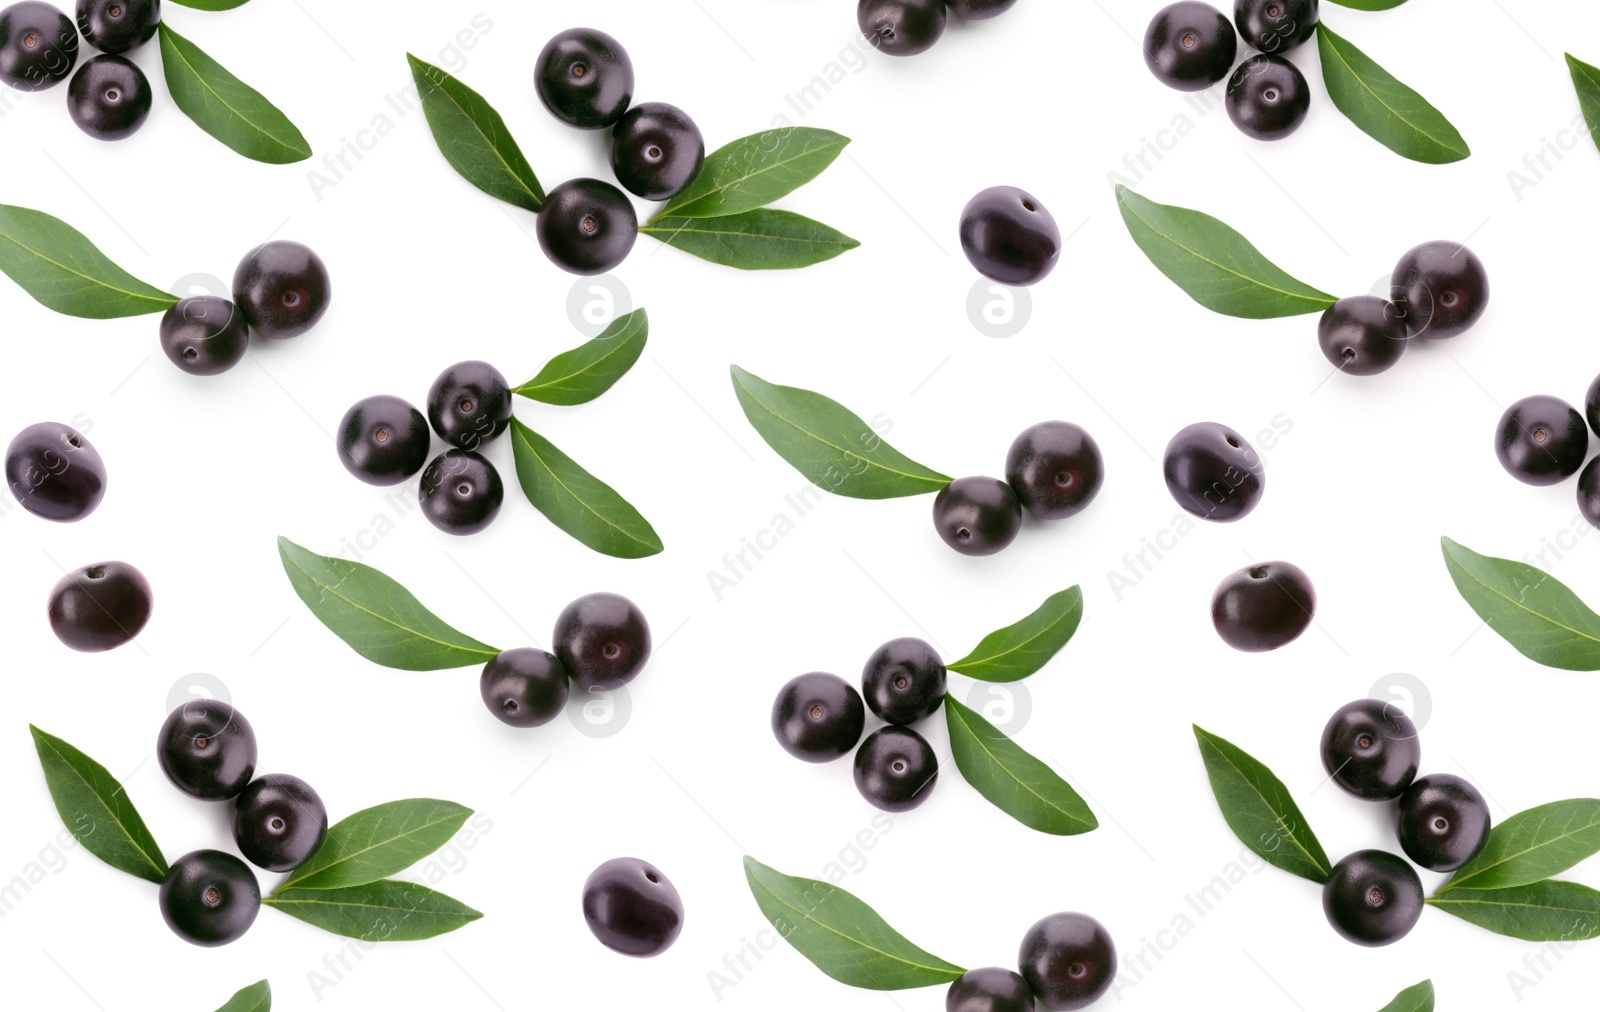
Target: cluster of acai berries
109, 97
1438, 290
1191, 46
1053, 470
909, 27
1542, 440
280, 290
1068, 961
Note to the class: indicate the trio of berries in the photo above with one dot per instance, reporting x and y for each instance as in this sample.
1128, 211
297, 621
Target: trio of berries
1542, 440
909, 27
1053, 470
109, 97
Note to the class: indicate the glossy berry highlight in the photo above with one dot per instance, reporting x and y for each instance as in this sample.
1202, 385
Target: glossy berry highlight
1190, 45
1442, 822
632, 908
1361, 335
896, 769
116, 26
989, 989
901, 27
382, 440
1276, 26
1068, 959
1541, 440
818, 717
282, 288
1213, 472
1008, 236
1589, 492
38, 46
1268, 97
904, 681
586, 226
469, 404
207, 749
100, 607
585, 78
524, 687
1264, 606
1440, 289
279, 821
656, 150
209, 898
109, 98
1372, 898
1055, 469
977, 516
204, 335
460, 492
1371, 750
603, 640
53, 472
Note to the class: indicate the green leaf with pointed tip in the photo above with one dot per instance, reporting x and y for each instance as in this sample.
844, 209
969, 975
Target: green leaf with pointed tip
1385, 109
1024, 647
830, 444
255, 998
1013, 780
842, 936
97, 810
578, 502
378, 842
754, 171
1586, 79
1529, 609
590, 369
382, 911
64, 271
1532, 846
474, 139
211, 5
225, 107
1259, 809
759, 240
380, 620
1416, 998
1369, 5
1547, 911
1213, 264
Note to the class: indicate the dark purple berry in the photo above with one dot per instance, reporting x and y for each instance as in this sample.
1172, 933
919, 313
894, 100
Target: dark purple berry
632, 908
656, 150
1591, 404
282, 288
100, 607
1589, 492
1009, 237
1213, 472
210, 898
1370, 749
279, 821
383, 440
1372, 898
602, 640
38, 46
1541, 440
904, 681
585, 78
1361, 335
977, 516
460, 492
989, 989
896, 769
818, 717
109, 98
1055, 469
978, 10
524, 687
469, 404
1268, 97
1263, 607
1275, 26
53, 472
116, 26
1068, 959
901, 27
1190, 45
207, 749
1440, 289
204, 335
1442, 822
586, 226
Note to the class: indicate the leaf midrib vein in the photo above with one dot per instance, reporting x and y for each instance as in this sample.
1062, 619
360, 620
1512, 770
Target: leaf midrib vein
331, 589
832, 930
983, 744
177, 50
672, 209
1333, 46
575, 497
1294, 837
74, 271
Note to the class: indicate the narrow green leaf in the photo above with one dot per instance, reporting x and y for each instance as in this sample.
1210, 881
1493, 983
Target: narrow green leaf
97, 810
1387, 110
1017, 783
830, 444
383, 911
1547, 911
377, 842
1369, 5
578, 502
1586, 79
225, 107
590, 369
1530, 609
377, 617
474, 139
1213, 264
1532, 846
1259, 809
759, 240
211, 5
64, 271
1024, 647
754, 171
842, 936
1416, 998
255, 998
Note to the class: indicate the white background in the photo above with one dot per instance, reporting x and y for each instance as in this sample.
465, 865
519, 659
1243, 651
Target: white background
204, 473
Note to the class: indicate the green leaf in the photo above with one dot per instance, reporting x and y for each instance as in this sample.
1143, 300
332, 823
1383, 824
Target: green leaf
474, 139
64, 271
830, 444
754, 171
1532, 846
590, 369
383, 911
1259, 809
1416, 998
255, 998
1387, 110
1547, 911
1215, 265
1528, 608
377, 617
1022, 648
1369, 5
842, 936
760, 240
1016, 782
378, 842
97, 810
225, 107
578, 502
1586, 79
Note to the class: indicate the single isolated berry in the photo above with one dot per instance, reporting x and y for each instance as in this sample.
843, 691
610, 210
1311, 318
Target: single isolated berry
383, 440
1213, 472
896, 769
469, 404
460, 492
109, 98
1541, 440
1190, 45
584, 78
904, 681
116, 26
282, 288
204, 335
279, 821
207, 749
38, 46
1055, 469
632, 908
1589, 492
53, 472
1440, 289
1372, 898
1275, 26
989, 989
977, 516
1442, 822
99, 607
603, 641
1009, 237
1263, 607
1371, 750
656, 150
524, 687
901, 27
210, 898
818, 717
1268, 97
1068, 959
1361, 335
1591, 403
586, 226
978, 10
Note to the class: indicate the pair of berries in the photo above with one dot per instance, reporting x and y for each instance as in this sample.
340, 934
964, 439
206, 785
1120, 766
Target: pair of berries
1438, 290
109, 96
585, 78
602, 642
384, 440
1543, 440
1371, 750
909, 27
1068, 961
207, 749
1053, 470
1009, 237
